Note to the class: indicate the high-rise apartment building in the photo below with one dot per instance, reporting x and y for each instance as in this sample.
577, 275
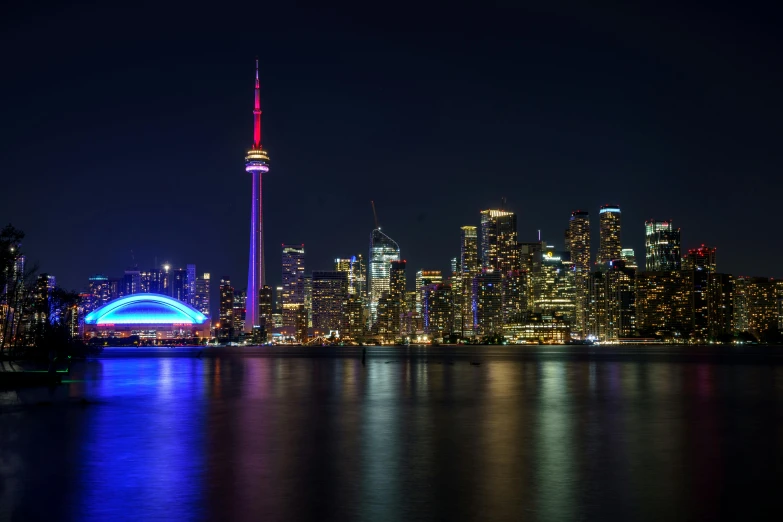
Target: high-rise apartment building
191, 284
383, 250
578, 245
437, 314
609, 247
662, 246
239, 314
664, 306
700, 262
489, 302
425, 277
756, 305
612, 302
469, 268
293, 283
555, 287
179, 284
131, 282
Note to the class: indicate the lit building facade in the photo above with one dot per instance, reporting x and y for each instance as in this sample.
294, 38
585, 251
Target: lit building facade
664, 307
499, 249
330, 294
149, 316
225, 326
383, 250
469, 269
489, 302
609, 247
578, 245
293, 283
201, 294
612, 302
662, 246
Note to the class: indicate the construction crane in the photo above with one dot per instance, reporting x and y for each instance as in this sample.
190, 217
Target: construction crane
375, 214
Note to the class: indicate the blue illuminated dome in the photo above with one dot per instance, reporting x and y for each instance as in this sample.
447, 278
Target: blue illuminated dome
145, 309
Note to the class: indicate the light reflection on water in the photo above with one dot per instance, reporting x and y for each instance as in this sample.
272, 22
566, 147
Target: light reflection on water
531, 434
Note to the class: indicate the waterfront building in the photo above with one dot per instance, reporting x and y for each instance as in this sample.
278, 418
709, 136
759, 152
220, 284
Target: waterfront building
469, 269
613, 302
489, 302
256, 164
578, 245
609, 234
700, 262
721, 305
329, 297
293, 283
662, 246
756, 305
265, 308
99, 292
383, 250
664, 306
179, 285
148, 316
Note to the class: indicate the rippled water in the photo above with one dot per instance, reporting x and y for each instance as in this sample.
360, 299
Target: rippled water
541, 433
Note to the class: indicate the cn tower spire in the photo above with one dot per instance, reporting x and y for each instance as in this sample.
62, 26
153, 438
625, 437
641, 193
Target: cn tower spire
257, 113
256, 164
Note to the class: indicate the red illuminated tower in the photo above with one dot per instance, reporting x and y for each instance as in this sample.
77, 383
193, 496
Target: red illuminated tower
256, 163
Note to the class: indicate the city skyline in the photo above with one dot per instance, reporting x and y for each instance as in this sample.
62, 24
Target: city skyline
622, 134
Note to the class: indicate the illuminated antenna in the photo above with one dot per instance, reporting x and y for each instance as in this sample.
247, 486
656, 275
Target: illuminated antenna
375, 214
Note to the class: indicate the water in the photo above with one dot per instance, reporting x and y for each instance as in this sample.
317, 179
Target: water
536, 433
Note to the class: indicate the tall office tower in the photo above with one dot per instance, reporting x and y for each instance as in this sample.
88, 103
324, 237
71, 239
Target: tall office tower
239, 314
578, 245
489, 302
330, 293
555, 293
115, 288
721, 306
662, 246
191, 281
99, 291
469, 266
383, 250
701, 263
201, 294
425, 277
225, 326
293, 283
664, 304
131, 282
256, 164
628, 256
499, 249
179, 284
612, 302
609, 234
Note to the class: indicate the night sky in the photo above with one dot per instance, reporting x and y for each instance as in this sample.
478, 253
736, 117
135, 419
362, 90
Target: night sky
124, 129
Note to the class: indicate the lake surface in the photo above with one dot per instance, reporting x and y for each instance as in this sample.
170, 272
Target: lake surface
532, 433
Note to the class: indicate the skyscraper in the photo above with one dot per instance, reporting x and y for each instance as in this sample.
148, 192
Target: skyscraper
293, 283
609, 234
425, 277
256, 163
469, 267
383, 250
579, 248
499, 240
662, 246
225, 327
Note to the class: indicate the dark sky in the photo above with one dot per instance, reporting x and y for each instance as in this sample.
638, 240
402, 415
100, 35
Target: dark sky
124, 128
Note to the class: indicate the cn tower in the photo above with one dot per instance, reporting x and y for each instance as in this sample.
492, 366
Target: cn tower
256, 163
